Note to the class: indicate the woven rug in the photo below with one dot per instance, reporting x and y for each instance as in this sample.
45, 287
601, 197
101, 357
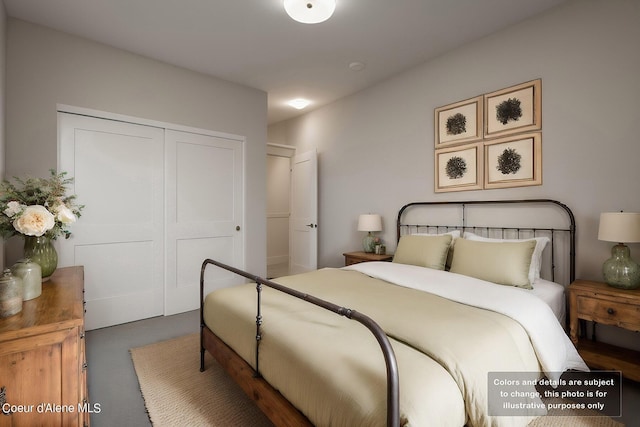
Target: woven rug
176, 393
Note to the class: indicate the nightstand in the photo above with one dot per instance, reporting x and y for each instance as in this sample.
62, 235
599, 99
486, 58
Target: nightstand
600, 303
356, 257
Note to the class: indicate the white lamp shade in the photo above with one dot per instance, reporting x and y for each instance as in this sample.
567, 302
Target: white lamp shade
369, 222
310, 11
620, 227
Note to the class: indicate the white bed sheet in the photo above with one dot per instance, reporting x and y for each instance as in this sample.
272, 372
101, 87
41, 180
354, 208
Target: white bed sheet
553, 294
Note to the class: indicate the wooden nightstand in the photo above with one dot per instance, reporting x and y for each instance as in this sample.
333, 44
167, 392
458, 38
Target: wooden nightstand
600, 303
356, 257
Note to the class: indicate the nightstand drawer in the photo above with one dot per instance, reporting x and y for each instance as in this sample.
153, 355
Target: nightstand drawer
609, 312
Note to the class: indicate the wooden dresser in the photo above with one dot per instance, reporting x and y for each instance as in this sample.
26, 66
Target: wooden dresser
42, 356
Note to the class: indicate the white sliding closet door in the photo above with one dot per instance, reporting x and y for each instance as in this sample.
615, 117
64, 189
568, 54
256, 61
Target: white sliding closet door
204, 193
119, 170
158, 202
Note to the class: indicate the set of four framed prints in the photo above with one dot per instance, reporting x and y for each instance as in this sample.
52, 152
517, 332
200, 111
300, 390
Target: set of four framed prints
490, 141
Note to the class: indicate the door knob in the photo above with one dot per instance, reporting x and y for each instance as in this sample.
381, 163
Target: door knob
237, 228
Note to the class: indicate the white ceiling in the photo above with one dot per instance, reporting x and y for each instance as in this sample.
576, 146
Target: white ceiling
254, 42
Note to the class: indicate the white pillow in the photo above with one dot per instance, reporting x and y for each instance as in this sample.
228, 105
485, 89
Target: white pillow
536, 258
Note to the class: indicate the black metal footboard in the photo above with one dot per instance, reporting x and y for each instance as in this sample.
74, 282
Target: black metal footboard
393, 393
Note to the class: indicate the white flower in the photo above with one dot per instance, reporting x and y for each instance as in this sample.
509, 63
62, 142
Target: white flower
34, 221
64, 214
13, 208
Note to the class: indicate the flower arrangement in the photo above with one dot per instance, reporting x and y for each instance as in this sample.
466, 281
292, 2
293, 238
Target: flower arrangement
38, 207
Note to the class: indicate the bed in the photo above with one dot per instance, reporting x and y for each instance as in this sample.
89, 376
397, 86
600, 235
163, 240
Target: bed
463, 297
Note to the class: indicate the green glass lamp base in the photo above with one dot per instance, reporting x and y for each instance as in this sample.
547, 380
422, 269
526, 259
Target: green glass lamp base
369, 243
621, 271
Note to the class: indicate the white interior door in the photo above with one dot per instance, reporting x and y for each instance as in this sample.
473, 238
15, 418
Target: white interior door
204, 214
304, 213
119, 170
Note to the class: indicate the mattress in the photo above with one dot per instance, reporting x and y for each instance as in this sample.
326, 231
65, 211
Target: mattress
553, 295
331, 368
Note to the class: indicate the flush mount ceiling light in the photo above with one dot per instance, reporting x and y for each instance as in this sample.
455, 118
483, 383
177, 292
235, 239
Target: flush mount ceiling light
357, 66
310, 11
299, 103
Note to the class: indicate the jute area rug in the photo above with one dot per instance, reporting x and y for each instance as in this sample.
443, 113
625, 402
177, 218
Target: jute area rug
176, 393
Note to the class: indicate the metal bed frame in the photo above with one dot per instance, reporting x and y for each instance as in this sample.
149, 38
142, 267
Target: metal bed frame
569, 229
393, 394
269, 400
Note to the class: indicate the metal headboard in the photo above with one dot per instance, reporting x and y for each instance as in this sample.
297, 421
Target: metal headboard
555, 231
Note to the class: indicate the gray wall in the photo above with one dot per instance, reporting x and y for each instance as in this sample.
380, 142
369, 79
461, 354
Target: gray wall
46, 68
376, 147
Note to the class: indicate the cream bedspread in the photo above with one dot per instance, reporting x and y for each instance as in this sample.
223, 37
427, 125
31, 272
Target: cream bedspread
331, 368
555, 351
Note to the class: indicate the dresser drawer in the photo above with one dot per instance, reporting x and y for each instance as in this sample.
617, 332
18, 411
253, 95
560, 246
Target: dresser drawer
609, 312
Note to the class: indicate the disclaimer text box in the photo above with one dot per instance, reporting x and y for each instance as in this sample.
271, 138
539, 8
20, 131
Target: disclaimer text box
594, 393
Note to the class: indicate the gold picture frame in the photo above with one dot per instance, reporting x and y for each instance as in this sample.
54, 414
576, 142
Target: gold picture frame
458, 123
513, 161
458, 168
515, 109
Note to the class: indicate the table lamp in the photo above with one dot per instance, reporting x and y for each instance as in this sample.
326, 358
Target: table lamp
620, 271
369, 223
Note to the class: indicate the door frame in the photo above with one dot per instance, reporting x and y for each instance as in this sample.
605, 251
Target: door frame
64, 108
286, 151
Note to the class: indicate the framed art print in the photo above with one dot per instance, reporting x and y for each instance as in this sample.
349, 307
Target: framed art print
512, 110
458, 123
513, 161
458, 168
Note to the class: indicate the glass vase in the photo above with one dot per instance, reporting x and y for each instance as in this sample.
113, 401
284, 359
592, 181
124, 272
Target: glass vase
41, 251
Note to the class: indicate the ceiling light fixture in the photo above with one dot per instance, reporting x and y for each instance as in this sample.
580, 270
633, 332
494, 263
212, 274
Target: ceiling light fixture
310, 11
299, 103
357, 66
